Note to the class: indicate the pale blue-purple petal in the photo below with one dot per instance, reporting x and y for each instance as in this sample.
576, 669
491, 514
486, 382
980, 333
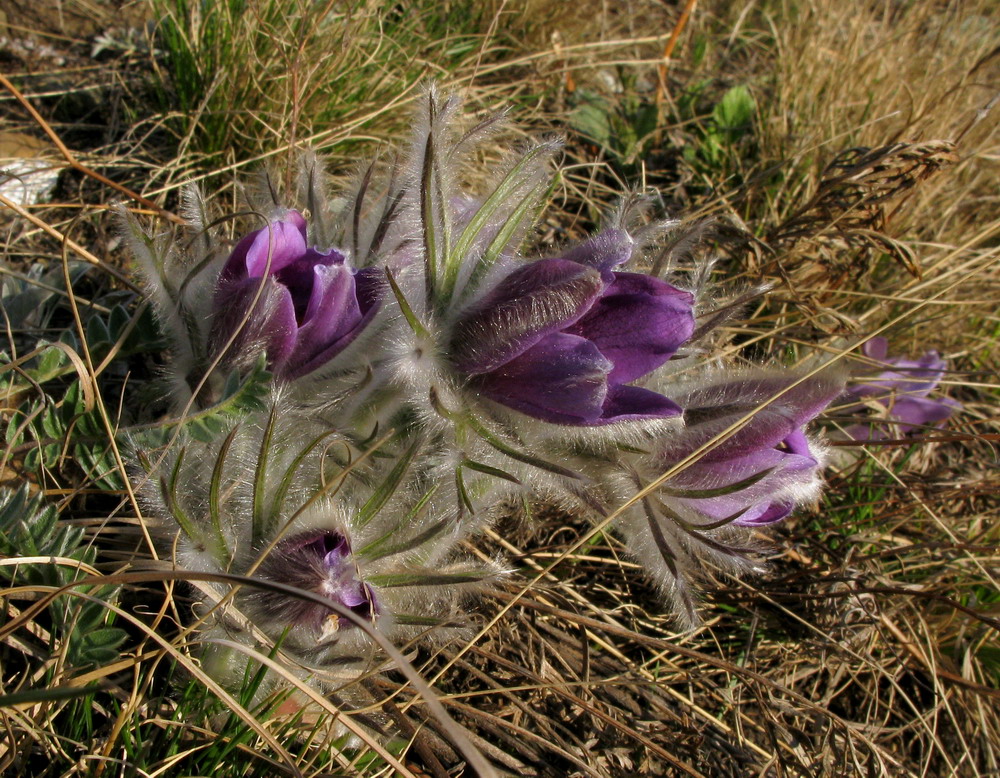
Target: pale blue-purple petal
903, 390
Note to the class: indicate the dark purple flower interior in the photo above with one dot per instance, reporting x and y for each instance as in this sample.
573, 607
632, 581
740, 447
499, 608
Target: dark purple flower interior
318, 561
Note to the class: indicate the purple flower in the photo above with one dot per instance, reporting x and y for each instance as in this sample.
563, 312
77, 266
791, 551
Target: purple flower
560, 339
309, 304
760, 473
903, 391
319, 562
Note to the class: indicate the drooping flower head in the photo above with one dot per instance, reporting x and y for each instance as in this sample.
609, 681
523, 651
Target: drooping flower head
561, 339
742, 460
762, 471
902, 391
303, 306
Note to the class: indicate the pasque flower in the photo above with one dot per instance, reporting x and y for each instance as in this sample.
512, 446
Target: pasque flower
302, 305
561, 339
902, 390
317, 561
761, 472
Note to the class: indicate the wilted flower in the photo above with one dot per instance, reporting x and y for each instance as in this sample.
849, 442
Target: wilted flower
560, 339
302, 305
902, 391
320, 562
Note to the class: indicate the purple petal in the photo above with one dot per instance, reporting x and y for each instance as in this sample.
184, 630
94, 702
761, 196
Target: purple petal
333, 548
753, 504
319, 562
876, 349
274, 248
367, 297
722, 473
914, 412
299, 277
331, 313
638, 323
531, 303
370, 285
271, 324
562, 379
352, 594
281, 242
798, 444
913, 377
633, 403
765, 514
606, 250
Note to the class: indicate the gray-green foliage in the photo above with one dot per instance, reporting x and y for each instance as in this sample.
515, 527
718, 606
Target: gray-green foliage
61, 423
82, 627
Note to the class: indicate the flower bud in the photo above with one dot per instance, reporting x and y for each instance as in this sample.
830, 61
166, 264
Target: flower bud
765, 468
320, 562
561, 339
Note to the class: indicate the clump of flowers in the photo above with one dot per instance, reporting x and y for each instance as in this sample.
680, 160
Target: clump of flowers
422, 370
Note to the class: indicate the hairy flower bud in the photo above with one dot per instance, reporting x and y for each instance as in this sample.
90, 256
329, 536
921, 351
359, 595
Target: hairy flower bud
560, 339
317, 561
765, 468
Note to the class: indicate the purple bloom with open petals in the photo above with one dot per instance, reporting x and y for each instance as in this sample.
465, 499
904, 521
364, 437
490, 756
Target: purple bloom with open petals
561, 339
305, 306
903, 390
319, 562
759, 474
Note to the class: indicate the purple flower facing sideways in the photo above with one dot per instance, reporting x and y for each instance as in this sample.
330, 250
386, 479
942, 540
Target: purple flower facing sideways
903, 390
561, 339
309, 304
761, 472
319, 562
